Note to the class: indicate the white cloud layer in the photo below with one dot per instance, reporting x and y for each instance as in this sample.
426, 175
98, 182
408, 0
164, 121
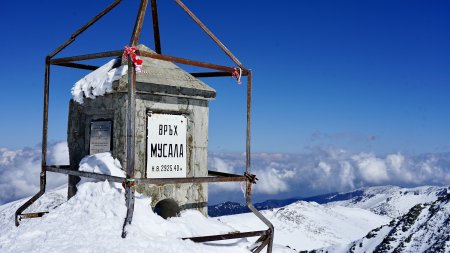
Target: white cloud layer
327, 170
20, 169
314, 172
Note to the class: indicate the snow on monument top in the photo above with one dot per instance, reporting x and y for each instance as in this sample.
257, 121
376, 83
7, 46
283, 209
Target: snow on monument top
98, 82
156, 76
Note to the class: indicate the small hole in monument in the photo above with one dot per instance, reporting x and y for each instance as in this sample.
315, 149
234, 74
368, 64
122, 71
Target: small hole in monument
167, 208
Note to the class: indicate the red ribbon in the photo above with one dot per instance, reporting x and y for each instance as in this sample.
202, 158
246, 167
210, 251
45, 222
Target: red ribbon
237, 73
137, 61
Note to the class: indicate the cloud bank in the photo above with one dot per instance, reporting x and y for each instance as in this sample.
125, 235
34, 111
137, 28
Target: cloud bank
20, 169
316, 171
328, 170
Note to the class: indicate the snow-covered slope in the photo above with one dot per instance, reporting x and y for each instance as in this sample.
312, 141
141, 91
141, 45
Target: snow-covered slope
92, 221
392, 201
425, 228
308, 225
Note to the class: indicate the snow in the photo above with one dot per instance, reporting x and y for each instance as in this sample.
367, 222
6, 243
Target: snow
92, 221
308, 225
102, 163
98, 82
425, 228
392, 201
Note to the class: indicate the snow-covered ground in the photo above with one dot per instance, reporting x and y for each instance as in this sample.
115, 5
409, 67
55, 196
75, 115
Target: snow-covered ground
424, 228
306, 226
92, 222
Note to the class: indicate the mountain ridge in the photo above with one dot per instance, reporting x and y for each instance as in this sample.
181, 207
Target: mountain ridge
424, 228
361, 197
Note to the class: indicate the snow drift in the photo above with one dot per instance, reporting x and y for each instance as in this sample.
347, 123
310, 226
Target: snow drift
92, 221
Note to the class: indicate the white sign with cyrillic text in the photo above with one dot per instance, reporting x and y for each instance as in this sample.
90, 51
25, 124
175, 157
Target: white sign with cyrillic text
166, 145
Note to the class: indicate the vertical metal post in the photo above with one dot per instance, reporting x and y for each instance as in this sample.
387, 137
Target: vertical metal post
131, 116
248, 191
156, 27
129, 191
248, 136
45, 118
43, 175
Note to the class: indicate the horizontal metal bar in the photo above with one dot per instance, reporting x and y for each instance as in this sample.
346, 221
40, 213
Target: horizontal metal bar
65, 169
185, 180
221, 174
32, 215
87, 57
215, 74
211, 74
146, 54
188, 62
226, 236
76, 65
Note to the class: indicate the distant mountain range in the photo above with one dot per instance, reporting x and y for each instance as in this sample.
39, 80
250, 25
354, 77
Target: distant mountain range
229, 208
410, 220
384, 200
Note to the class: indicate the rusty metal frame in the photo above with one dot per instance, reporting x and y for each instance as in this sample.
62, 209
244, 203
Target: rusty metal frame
107, 54
266, 236
213, 177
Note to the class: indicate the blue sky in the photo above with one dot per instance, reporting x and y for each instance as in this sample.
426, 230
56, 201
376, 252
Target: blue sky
359, 75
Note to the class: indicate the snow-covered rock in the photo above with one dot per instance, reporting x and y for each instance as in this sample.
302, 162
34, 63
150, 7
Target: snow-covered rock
392, 201
424, 228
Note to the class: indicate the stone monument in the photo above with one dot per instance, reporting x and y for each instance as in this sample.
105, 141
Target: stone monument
171, 132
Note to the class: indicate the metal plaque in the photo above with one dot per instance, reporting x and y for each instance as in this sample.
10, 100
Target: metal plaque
166, 146
100, 139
